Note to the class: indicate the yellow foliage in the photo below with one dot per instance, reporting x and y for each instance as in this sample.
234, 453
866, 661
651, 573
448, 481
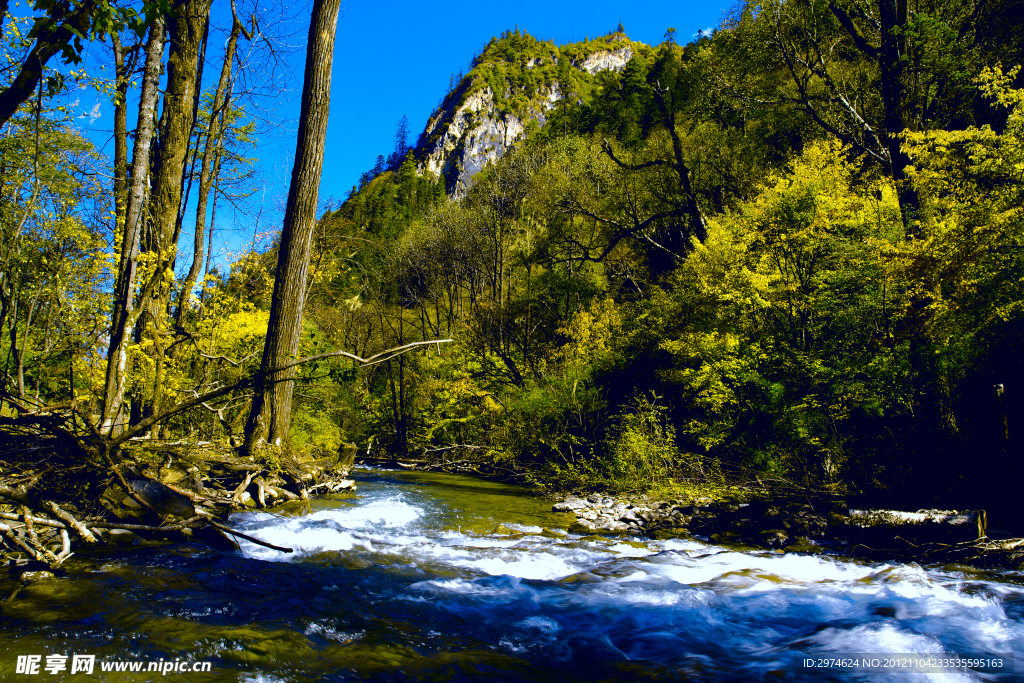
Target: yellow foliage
592, 332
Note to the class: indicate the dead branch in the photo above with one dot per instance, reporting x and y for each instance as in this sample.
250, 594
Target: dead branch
253, 380
8, 533
67, 518
42, 521
147, 527
251, 539
237, 495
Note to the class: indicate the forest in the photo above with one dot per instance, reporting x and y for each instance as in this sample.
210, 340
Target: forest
787, 253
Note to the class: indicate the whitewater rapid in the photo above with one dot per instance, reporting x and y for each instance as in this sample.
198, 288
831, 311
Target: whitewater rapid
680, 607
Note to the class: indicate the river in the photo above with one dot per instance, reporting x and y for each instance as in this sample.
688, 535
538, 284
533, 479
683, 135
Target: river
412, 578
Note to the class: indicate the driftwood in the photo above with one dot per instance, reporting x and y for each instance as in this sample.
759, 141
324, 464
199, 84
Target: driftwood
251, 539
30, 545
950, 527
981, 552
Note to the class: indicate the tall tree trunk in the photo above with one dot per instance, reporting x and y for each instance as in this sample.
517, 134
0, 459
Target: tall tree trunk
892, 57
124, 65
187, 30
270, 416
211, 152
123, 315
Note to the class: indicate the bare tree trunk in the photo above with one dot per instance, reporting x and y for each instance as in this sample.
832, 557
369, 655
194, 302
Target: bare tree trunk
124, 65
212, 150
209, 245
123, 316
186, 34
270, 416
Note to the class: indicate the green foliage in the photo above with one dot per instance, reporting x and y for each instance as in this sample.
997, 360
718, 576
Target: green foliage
697, 271
53, 259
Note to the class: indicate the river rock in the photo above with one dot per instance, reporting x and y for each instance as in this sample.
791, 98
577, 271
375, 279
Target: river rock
724, 537
772, 538
122, 537
36, 576
671, 532
160, 497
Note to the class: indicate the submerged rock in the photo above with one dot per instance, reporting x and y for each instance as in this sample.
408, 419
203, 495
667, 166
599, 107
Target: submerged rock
122, 537
36, 576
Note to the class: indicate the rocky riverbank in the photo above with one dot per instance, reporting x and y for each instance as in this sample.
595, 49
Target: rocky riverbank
159, 491
821, 526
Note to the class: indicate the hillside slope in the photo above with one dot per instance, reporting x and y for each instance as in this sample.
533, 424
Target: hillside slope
514, 84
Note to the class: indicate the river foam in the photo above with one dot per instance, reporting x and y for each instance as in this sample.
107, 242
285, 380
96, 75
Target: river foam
684, 604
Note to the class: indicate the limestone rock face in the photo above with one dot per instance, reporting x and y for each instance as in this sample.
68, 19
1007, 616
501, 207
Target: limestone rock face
607, 60
468, 133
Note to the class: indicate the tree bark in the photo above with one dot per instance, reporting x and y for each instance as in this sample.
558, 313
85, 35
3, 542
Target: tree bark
124, 65
186, 34
891, 57
270, 416
123, 315
211, 152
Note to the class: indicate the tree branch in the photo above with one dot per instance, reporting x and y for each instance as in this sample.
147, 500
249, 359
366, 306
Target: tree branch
50, 40
253, 380
858, 39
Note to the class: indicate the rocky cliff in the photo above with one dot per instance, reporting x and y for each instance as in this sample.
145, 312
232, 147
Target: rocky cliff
471, 128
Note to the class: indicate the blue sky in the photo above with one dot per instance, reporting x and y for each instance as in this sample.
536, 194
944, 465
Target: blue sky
395, 58
391, 59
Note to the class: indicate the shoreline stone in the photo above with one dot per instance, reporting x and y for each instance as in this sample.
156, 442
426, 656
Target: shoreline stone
793, 526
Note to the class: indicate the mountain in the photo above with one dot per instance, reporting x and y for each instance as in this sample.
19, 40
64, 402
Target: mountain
514, 84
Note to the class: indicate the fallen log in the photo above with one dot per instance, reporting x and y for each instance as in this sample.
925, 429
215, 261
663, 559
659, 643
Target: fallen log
878, 527
146, 527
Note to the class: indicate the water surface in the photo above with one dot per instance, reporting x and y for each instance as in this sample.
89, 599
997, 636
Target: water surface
412, 578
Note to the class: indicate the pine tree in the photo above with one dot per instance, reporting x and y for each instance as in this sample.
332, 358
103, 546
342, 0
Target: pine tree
402, 138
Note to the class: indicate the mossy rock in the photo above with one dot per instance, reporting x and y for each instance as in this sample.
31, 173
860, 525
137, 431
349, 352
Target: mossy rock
673, 532
36, 576
549, 533
804, 549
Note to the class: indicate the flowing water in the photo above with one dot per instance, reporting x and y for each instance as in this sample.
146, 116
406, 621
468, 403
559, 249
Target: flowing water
412, 578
